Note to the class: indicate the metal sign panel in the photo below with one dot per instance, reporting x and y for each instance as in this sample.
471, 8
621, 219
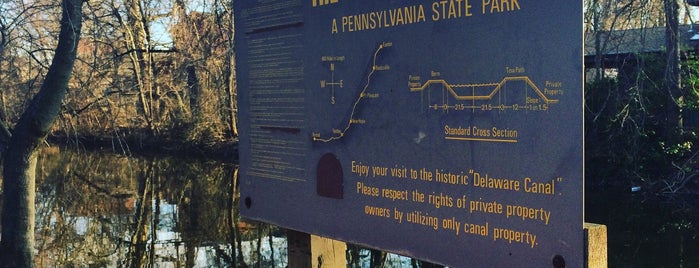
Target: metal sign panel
449, 131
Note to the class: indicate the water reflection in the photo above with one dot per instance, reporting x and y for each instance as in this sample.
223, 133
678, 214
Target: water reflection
104, 210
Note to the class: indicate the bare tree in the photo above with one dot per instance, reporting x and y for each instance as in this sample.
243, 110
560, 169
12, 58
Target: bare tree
137, 68
208, 64
18, 148
230, 69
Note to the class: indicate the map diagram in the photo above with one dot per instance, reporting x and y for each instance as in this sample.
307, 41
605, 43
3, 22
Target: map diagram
338, 133
515, 92
512, 93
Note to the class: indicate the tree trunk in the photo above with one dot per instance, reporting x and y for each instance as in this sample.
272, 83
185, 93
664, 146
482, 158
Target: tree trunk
17, 244
598, 41
136, 31
672, 71
231, 83
194, 93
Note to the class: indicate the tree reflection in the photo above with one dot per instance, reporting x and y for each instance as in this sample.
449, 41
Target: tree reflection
101, 210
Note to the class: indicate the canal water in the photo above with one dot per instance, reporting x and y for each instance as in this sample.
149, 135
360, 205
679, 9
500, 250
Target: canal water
106, 210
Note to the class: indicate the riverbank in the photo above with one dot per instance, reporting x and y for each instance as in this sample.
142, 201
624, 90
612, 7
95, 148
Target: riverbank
223, 150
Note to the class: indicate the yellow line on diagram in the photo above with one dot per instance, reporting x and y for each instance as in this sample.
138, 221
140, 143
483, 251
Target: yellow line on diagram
341, 133
490, 96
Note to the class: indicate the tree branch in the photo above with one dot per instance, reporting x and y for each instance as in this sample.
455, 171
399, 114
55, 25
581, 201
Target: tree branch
151, 50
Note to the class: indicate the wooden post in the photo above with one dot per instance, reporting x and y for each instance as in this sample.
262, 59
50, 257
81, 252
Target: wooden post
595, 245
299, 249
328, 253
314, 251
